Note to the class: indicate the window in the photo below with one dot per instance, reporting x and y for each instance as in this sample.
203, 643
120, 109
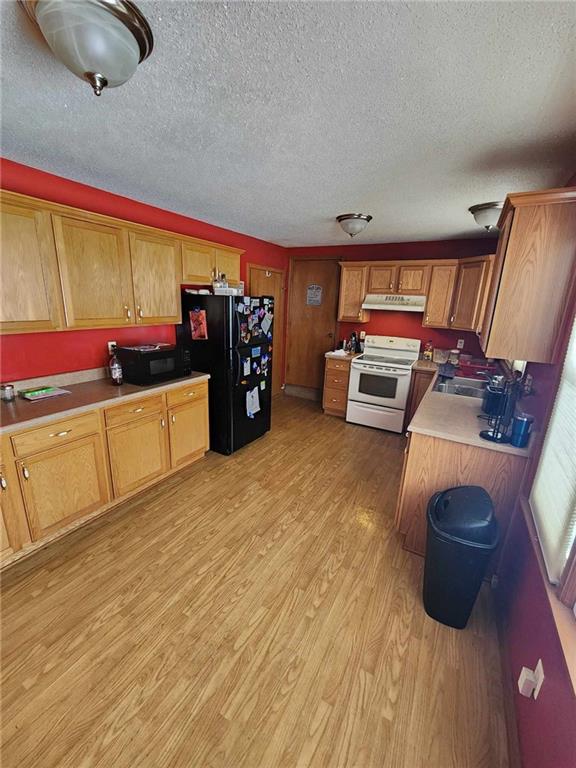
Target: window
553, 496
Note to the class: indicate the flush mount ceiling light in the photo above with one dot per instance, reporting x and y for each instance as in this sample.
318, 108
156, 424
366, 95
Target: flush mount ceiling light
487, 214
353, 223
101, 41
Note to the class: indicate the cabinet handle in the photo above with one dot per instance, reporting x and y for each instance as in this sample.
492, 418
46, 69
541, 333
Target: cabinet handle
336, 381
427, 316
140, 312
162, 423
451, 319
137, 410
173, 418
190, 394
60, 434
360, 313
400, 285
334, 400
128, 313
3, 483
391, 286
25, 472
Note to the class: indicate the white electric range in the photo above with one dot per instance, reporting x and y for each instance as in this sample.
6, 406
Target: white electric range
380, 382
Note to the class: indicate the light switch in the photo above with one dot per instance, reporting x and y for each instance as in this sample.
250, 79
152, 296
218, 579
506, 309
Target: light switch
530, 681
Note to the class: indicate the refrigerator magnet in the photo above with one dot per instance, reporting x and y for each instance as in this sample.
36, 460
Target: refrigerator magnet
255, 351
262, 385
246, 368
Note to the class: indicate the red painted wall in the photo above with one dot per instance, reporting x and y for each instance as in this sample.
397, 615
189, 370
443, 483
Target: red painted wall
547, 725
407, 324
42, 354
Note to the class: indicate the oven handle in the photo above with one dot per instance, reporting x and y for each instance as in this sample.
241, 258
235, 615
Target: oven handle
382, 371
375, 408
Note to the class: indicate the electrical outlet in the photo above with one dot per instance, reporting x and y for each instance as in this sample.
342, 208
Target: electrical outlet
530, 681
362, 335
460, 344
111, 345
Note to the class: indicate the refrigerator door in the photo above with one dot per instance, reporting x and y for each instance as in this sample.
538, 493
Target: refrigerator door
251, 396
207, 323
254, 320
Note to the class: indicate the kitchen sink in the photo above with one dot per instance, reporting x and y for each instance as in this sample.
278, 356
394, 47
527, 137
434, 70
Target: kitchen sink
461, 386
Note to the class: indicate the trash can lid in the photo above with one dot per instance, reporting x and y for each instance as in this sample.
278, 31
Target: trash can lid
465, 512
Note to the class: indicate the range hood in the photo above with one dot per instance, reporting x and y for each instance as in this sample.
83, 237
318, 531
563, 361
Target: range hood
394, 301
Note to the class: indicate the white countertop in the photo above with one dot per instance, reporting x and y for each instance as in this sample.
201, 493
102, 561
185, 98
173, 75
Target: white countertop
455, 417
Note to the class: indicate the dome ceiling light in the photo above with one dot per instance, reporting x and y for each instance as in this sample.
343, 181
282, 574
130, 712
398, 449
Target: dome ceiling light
101, 41
487, 215
353, 223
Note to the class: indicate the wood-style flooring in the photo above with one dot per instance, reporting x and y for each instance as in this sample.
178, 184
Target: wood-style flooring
252, 611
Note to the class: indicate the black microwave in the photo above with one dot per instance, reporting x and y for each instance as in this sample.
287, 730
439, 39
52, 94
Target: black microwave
153, 363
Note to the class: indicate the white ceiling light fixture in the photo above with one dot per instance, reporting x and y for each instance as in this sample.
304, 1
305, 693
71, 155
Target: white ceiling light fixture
353, 223
487, 214
101, 41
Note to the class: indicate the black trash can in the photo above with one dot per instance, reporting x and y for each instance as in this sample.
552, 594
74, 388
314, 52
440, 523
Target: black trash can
462, 535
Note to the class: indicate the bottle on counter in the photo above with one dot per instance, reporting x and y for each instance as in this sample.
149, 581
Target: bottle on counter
115, 368
428, 350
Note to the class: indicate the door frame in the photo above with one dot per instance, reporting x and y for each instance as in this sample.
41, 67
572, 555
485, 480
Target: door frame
252, 265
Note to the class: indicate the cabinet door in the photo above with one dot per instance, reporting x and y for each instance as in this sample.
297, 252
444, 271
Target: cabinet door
63, 484
198, 263
30, 297
469, 294
353, 285
228, 263
494, 285
413, 280
138, 453
418, 388
14, 532
439, 301
189, 435
156, 274
382, 279
96, 276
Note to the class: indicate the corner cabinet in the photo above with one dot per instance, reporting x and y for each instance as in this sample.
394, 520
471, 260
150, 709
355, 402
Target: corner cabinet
202, 261
457, 294
534, 277
353, 290
30, 298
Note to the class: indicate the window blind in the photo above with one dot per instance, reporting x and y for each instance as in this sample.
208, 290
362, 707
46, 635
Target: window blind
553, 495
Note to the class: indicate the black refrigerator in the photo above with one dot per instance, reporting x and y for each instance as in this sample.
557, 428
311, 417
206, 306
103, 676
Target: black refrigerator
230, 337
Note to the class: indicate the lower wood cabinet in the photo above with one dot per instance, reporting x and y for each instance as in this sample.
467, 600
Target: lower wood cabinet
336, 379
189, 433
62, 484
14, 529
419, 384
138, 453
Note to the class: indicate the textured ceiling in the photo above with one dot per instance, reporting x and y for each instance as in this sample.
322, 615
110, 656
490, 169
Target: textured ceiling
271, 118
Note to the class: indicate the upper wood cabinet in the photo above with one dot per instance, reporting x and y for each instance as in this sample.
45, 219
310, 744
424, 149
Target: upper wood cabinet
202, 261
156, 268
94, 262
353, 285
413, 279
533, 278
30, 298
382, 278
470, 294
439, 302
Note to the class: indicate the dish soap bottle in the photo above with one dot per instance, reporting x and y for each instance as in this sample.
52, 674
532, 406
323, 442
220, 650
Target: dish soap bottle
115, 368
428, 350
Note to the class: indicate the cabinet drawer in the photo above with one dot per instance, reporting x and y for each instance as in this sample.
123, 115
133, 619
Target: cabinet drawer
335, 400
56, 433
336, 380
337, 365
135, 409
194, 391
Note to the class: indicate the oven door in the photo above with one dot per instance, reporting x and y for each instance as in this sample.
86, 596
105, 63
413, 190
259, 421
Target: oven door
379, 386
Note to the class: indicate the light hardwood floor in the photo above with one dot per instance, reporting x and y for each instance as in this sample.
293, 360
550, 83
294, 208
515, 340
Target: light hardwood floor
256, 611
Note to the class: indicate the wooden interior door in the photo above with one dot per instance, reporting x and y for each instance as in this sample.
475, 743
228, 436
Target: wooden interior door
311, 327
138, 453
156, 271
96, 276
198, 263
269, 281
469, 294
30, 298
189, 432
439, 301
413, 280
63, 484
382, 279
